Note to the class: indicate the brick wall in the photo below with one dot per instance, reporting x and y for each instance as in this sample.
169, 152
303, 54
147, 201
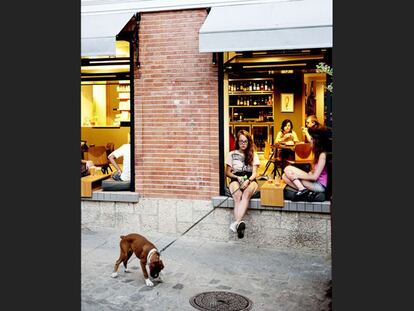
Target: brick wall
176, 109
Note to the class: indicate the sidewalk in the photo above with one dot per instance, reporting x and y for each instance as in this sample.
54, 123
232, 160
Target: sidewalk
272, 279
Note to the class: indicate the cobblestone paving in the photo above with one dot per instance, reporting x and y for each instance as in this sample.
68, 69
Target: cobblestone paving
272, 279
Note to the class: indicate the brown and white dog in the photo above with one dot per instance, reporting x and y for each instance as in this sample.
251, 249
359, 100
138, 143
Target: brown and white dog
145, 251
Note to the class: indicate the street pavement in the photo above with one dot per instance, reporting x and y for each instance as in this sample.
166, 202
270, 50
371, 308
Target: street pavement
271, 278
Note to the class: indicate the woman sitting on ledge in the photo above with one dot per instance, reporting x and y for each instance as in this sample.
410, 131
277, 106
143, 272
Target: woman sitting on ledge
317, 179
243, 161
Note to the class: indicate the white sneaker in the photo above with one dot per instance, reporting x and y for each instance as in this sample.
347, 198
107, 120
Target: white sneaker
233, 226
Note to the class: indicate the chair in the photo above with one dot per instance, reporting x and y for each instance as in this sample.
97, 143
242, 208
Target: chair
272, 158
98, 156
303, 155
109, 148
83, 148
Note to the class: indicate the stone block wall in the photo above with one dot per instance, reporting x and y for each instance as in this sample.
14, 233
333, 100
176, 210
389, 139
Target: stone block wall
309, 232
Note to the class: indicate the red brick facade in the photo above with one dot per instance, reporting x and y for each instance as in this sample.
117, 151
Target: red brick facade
176, 109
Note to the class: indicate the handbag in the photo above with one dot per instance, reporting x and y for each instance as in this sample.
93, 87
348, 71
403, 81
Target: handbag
84, 169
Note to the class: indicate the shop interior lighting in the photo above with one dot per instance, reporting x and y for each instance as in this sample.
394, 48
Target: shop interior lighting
112, 61
276, 59
275, 65
106, 68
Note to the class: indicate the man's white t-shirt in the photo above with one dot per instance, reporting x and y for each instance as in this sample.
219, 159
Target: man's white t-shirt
125, 152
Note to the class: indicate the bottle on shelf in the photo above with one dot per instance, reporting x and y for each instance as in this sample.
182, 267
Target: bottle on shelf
269, 101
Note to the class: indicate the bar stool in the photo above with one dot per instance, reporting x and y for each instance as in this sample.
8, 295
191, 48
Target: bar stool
272, 158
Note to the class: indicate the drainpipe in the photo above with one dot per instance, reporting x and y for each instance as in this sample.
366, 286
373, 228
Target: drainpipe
132, 47
221, 122
138, 20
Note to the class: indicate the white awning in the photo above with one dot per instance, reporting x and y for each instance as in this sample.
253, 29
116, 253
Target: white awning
98, 32
299, 24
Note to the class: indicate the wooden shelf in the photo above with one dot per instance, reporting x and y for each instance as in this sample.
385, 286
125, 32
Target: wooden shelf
244, 122
257, 106
238, 93
254, 119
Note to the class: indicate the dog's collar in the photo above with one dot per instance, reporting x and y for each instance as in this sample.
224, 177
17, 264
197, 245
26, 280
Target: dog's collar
150, 253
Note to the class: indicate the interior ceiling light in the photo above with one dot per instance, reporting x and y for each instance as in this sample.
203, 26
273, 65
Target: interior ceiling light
276, 59
103, 82
113, 61
275, 65
282, 52
109, 69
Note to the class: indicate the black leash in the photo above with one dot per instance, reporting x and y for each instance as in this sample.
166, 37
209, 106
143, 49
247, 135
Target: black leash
214, 207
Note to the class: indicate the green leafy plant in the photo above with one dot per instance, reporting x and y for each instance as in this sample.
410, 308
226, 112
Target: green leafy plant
325, 68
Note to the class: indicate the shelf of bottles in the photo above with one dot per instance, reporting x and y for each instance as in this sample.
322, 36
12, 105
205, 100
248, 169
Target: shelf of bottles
254, 86
251, 108
251, 100
124, 107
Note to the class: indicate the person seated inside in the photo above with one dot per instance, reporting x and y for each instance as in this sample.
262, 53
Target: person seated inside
307, 183
123, 174
287, 136
286, 133
311, 122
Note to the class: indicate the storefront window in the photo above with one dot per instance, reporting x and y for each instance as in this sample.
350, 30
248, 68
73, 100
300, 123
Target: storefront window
105, 89
255, 87
105, 103
105, 108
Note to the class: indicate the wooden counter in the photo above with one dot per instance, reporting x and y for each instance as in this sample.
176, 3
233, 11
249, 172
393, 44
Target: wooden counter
91, 182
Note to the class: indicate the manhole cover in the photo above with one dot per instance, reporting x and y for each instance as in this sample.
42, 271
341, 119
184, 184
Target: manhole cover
220, 301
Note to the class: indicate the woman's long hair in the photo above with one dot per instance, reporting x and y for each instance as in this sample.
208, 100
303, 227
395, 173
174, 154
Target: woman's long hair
320, 141
249, 152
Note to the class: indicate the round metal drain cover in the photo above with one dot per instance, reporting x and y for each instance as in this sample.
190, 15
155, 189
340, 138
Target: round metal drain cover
220, 301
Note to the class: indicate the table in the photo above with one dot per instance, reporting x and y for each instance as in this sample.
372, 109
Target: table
271, 193
284, 146
274, 157
90, 182
286, 151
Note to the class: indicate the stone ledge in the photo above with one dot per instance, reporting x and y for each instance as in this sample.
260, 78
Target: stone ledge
114, 196
290, 206
267, 226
